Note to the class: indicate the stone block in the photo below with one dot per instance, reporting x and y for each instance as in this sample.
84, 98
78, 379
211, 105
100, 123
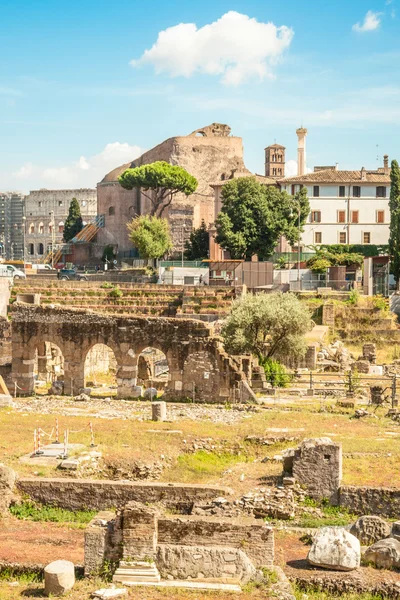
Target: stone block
370, 529
335, 548
317, 464
59, 578
385, 554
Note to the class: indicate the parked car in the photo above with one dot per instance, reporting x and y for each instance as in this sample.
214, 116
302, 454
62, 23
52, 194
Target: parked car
11, 271
71, 274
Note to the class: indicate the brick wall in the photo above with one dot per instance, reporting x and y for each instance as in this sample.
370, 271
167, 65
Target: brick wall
384, 502
78, 494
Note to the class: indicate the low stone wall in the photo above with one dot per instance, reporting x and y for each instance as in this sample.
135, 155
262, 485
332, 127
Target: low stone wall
78, 494
252, 536
384, 502
199, 562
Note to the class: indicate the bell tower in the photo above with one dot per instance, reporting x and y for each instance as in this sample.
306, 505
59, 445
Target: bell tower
275, 161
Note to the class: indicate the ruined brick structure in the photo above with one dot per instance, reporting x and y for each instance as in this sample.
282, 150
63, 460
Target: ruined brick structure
198, 365
182, 547
209, 154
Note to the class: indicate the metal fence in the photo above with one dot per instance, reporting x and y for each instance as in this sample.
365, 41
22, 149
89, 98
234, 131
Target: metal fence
349, 384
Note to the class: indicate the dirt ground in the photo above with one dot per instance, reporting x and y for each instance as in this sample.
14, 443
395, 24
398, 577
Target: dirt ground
39, 543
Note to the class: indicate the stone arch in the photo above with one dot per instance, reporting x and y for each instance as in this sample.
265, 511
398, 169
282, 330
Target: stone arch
41, 227
32, 228
152, 368
100, 366
40, 249
111, 210
31, 249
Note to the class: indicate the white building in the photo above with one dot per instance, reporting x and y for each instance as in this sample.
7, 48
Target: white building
347, 207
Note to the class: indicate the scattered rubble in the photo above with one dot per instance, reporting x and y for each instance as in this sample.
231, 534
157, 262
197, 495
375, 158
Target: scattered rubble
112, 408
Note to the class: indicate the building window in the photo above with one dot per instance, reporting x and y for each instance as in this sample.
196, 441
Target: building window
60, 203
316, 191
61, 227
380, 216
293, 189
315, 216
381, 191
84, 203
342, 191
366, 238
40, 249
41, 228
341, 216
356, 191
342, 237
31, 249
273, 171
111, 210
354, 216
31, 228
40, 204
318, 237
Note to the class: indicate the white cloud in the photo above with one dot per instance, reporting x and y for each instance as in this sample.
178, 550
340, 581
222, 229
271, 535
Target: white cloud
291, 168
235, 46
85, 172
372, 20
25, 171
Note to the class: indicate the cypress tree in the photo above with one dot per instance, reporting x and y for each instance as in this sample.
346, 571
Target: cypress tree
197, 247
394, 205
73, 223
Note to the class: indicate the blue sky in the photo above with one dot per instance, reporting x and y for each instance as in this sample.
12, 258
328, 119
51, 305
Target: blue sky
72, 106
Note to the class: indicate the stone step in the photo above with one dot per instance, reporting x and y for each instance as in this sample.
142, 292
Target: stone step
192, 585
135, 572
127, 579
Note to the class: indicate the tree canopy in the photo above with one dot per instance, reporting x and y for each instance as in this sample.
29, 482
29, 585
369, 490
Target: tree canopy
162, 180
150, 235
267, 325
73, 223
254, 216
394, 205
197, 246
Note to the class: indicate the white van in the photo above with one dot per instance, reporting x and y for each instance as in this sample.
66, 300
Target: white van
42, 267
12, 272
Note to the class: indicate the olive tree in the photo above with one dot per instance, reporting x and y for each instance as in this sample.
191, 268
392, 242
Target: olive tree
150, 235
267, 325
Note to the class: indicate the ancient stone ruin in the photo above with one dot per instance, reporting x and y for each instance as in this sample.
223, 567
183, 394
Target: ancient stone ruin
149, 546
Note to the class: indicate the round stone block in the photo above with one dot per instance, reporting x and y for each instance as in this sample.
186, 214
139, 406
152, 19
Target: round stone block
59, 577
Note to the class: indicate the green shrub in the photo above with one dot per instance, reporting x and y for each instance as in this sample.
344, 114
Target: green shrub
115, 293
381, 303
275, 372
107, 285
354, 297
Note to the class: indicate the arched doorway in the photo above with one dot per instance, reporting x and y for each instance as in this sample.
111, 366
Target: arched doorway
48, 368
153, 369
101, 369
